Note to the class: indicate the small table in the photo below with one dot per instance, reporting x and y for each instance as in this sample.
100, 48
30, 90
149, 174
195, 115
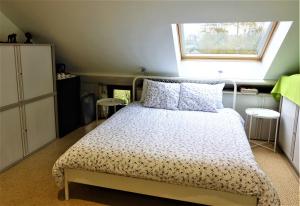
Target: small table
261, 113
108, 102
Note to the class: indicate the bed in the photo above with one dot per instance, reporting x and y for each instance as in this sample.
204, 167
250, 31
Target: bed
197, 157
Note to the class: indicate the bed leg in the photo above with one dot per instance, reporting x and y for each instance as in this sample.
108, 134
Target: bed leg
66, 190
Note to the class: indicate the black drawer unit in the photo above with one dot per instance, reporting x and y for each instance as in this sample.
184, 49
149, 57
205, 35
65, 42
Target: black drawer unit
68, 101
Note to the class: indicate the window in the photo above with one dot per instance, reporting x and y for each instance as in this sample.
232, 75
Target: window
240, 40
122, 94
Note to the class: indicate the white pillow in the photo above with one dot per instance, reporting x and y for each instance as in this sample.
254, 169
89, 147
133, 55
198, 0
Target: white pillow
200, 97
162, 95
145, 86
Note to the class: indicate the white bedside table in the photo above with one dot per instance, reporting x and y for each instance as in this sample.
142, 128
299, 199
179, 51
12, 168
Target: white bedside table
108, 102
261, 113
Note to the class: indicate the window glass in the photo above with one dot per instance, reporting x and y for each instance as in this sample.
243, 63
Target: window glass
239, 39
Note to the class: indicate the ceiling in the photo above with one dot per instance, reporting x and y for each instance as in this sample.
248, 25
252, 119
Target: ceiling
123, 36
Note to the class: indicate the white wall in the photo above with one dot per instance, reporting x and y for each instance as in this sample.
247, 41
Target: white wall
8, 27
244, 69
122, 36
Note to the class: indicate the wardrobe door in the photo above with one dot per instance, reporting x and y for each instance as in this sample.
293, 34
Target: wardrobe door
36, 64
8, 76
40, 123
287, 119
297, 142
11, 149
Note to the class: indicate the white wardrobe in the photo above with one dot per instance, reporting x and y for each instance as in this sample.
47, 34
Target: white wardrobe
289, 131
27, 100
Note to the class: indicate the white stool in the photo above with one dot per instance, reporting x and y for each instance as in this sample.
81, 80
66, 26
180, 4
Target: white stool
108, 102
261, 113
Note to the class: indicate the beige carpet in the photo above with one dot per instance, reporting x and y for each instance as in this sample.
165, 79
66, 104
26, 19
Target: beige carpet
30, 182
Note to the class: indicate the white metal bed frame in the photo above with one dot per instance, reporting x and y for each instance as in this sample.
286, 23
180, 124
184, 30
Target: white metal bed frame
155, 188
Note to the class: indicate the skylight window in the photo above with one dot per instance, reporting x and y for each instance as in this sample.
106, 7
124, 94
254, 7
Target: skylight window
239, 40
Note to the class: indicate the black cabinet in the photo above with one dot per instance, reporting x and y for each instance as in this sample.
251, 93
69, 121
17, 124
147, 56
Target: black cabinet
68, 101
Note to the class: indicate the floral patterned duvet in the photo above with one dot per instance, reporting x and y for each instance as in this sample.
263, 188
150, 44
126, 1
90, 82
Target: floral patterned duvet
199, 149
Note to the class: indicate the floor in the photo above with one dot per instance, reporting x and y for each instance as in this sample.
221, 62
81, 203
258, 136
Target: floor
30, 182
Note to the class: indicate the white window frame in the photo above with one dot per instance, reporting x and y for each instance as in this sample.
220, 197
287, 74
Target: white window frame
258, 57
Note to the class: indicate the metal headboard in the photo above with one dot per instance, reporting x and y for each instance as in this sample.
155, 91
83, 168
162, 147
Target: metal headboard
182, 79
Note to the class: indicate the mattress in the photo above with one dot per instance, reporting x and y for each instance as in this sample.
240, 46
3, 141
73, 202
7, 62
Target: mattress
191, 148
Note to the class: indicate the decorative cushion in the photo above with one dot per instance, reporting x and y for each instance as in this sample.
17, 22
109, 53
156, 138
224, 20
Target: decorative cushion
162, 95
200, 97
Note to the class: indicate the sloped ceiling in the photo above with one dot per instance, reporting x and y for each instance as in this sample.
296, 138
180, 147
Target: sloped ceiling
122, 36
